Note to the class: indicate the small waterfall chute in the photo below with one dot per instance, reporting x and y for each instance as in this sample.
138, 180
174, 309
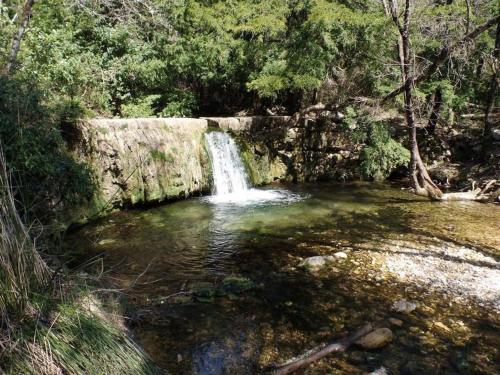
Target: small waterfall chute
230, 179
227, 167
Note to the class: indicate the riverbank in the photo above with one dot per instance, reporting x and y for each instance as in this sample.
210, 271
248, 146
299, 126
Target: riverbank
147, 161
77, 334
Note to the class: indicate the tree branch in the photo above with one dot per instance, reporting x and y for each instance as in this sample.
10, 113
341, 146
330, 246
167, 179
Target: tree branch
16, 42
322, 351
442, 57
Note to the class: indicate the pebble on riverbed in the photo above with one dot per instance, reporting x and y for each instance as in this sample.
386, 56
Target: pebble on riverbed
404, 306
376, 339
317, 262
396, 322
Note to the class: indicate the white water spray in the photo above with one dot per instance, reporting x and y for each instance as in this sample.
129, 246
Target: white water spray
228, 170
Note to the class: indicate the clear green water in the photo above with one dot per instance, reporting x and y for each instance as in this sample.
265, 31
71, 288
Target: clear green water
174, 262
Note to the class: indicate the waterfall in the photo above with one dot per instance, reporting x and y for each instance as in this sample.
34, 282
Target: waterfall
228, 170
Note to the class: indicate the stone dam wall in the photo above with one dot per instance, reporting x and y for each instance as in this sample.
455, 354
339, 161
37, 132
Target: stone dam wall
145, 161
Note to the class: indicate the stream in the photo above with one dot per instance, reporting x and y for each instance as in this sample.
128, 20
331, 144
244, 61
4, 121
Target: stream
216, 286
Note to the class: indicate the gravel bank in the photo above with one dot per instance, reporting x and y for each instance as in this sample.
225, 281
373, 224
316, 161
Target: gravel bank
462, 273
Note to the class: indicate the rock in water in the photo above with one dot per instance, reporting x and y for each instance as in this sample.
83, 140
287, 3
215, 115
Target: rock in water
404, 306
340, 254
380, 371
317, 262
376, 339
396, 322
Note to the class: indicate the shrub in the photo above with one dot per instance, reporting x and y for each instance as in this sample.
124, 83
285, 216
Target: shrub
382, 154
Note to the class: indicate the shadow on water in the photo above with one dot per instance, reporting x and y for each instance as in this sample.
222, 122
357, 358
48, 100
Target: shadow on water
191, 319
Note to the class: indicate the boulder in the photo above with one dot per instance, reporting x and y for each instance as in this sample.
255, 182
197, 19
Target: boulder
376, 339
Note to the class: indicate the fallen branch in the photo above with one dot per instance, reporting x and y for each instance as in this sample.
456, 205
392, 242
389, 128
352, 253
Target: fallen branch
321, 351
478, 195
479, 116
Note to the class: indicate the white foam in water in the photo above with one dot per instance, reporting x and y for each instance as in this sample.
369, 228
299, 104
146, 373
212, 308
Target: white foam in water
253, 196
230, 180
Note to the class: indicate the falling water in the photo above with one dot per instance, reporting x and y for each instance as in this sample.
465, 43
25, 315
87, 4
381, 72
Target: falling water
228, 170
230, 179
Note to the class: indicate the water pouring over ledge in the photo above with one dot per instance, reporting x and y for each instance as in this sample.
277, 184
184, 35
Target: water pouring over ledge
230, 178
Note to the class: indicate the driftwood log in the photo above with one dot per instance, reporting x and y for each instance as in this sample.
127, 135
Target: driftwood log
319, 352
478, 195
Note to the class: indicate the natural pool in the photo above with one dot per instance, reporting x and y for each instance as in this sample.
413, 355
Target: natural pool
216, 288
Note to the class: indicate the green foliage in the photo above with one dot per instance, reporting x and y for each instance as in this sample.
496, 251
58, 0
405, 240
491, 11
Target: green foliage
144, 107
324, 38
208, 57
382, 154
179, 103
161, 156
36, 153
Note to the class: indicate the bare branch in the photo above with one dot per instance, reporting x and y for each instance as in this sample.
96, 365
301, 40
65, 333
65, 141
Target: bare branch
442, 56
16, 42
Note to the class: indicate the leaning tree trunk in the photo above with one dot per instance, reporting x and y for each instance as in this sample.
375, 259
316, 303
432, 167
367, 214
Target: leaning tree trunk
16, 42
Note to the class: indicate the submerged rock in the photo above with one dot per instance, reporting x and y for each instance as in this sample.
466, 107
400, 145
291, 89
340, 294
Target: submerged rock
376, 339
236, 284
317, 262
106, 241
380, 371
340, 255
404, 306
396, 322
441, 327
203, 291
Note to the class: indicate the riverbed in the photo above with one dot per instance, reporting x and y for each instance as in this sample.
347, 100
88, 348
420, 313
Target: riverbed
220, 287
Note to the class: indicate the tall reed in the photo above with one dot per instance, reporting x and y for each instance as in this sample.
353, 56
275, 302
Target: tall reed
22, 270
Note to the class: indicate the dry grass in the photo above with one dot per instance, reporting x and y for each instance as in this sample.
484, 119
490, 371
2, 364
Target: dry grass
22, 271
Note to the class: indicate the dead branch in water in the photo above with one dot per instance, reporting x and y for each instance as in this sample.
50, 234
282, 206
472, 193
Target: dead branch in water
479, 195
321, 351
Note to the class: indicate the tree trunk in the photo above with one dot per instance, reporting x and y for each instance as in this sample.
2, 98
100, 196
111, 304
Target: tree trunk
467, 26
16, 42
437, 101
489, 117
420, 179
